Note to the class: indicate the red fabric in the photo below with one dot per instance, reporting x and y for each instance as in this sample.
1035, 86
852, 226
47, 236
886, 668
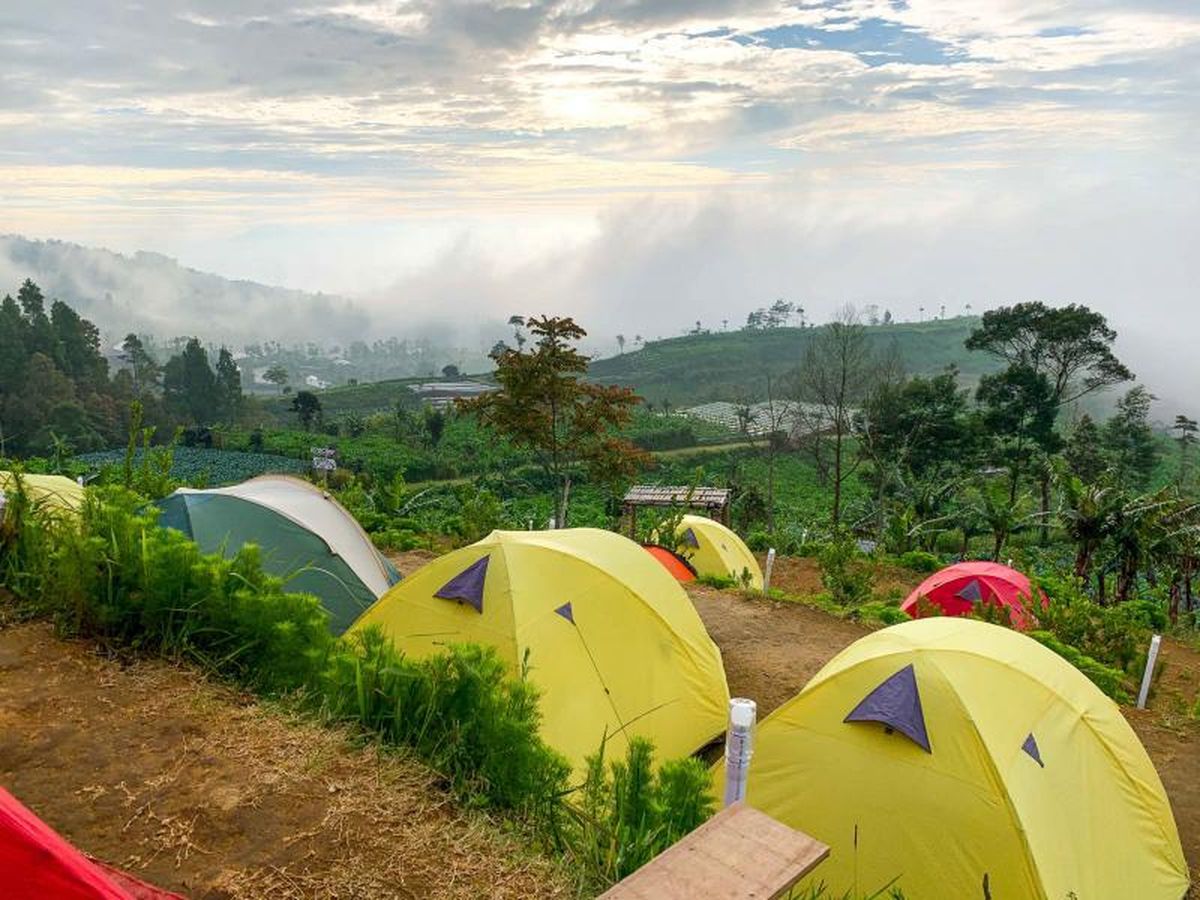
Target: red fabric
672, 562
998, 585
37, 864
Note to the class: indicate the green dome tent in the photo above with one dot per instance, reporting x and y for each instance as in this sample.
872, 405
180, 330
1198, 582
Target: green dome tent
305, 535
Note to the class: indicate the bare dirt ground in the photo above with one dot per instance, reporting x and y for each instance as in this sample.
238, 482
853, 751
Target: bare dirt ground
193, 787
771, 648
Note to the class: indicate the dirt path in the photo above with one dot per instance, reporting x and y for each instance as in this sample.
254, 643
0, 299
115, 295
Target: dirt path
771, 649
192, 787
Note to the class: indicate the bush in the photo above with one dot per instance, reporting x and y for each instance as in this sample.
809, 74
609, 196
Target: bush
919, 561
1112, 682
844, 573
112, 575
628, 813
1116, 636
460, 711
878, 611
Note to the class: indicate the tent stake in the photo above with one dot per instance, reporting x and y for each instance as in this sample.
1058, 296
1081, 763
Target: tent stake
1151, 658
739, 747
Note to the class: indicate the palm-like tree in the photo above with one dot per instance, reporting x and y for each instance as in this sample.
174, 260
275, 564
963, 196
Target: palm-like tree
1088, 515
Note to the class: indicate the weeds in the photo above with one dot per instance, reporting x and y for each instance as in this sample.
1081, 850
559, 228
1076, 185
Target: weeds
112, 575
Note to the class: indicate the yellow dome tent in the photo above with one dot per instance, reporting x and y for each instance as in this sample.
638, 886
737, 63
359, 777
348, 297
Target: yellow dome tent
48, 491
713, 549
614, 645
953, 754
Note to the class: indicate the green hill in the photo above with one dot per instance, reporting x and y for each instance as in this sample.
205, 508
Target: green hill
731, 365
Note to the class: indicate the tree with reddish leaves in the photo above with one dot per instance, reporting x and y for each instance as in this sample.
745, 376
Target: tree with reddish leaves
546, 407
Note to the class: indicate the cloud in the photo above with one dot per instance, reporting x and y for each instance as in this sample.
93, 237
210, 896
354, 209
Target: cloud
591, 154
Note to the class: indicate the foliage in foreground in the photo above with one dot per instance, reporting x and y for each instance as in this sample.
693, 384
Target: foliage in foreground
113, 575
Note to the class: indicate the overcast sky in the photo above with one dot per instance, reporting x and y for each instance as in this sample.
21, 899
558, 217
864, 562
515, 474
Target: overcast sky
639, 163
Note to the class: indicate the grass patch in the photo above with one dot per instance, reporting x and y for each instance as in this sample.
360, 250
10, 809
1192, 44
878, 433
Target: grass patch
112, 575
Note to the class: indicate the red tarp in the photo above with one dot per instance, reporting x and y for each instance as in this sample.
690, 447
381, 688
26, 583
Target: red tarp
37, 864
672, 562
957, 589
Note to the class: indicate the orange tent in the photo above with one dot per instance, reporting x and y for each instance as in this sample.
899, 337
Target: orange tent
679, 567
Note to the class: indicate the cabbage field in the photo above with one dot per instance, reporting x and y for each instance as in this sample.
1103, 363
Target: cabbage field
201, 465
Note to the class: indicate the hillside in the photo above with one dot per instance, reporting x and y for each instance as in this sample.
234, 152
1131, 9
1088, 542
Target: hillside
731, 365
153, 294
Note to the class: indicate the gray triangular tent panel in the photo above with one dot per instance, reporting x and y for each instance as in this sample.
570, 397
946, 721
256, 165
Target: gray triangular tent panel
972, 593
896, 703
467, 585
566, 612
1030, 746
689, 538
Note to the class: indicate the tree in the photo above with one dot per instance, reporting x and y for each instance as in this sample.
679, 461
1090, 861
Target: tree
229, 386
1186, 440
189, 385
1084, 450
1088, 514
450, 371
307, 407
621, 342
919, 425
146, 371
1070, 345
835, 376
1000, 512
39, 333
518, 325
1019, 413
545, 406
276, 375
765, 428
434, 421
1129, 439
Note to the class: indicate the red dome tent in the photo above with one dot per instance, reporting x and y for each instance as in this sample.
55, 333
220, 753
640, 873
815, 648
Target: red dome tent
35, 864
958, 588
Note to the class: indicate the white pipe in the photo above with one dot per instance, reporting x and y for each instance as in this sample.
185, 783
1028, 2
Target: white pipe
770, 566
739, 747
1148, 676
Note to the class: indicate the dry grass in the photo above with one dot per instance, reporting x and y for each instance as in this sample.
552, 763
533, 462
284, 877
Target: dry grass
192, 785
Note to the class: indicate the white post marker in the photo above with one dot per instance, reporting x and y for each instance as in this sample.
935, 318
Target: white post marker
767, 574
739, 747
1148, 676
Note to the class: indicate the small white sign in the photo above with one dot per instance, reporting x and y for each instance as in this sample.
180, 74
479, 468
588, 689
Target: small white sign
324, 459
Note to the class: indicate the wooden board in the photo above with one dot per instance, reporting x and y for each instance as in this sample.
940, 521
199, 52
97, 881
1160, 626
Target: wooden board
682, 495
738, 854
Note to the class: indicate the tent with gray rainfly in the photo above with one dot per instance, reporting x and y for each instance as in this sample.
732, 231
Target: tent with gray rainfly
306, 537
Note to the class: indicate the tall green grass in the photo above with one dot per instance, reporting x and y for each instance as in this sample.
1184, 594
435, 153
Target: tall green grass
112, 575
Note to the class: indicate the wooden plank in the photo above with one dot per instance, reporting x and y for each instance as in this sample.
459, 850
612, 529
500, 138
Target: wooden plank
738, 854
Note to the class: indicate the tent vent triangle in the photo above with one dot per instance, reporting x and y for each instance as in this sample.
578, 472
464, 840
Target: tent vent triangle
1030, 746
689, 538
896, 703
972, 593
566, 612
467, 585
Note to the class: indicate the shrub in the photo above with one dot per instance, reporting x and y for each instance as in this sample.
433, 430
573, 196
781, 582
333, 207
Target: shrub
628, 813
460, 711
878, 611
1112, 682
111, 574
1114, 635
919, 561
844, 573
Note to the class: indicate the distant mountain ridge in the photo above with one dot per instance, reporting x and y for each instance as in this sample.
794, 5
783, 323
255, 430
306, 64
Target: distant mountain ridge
149, 293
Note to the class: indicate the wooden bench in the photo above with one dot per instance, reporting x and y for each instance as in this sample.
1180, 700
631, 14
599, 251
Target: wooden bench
738, 854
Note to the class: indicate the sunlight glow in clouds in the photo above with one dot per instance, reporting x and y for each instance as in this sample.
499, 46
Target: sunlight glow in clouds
350, 145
